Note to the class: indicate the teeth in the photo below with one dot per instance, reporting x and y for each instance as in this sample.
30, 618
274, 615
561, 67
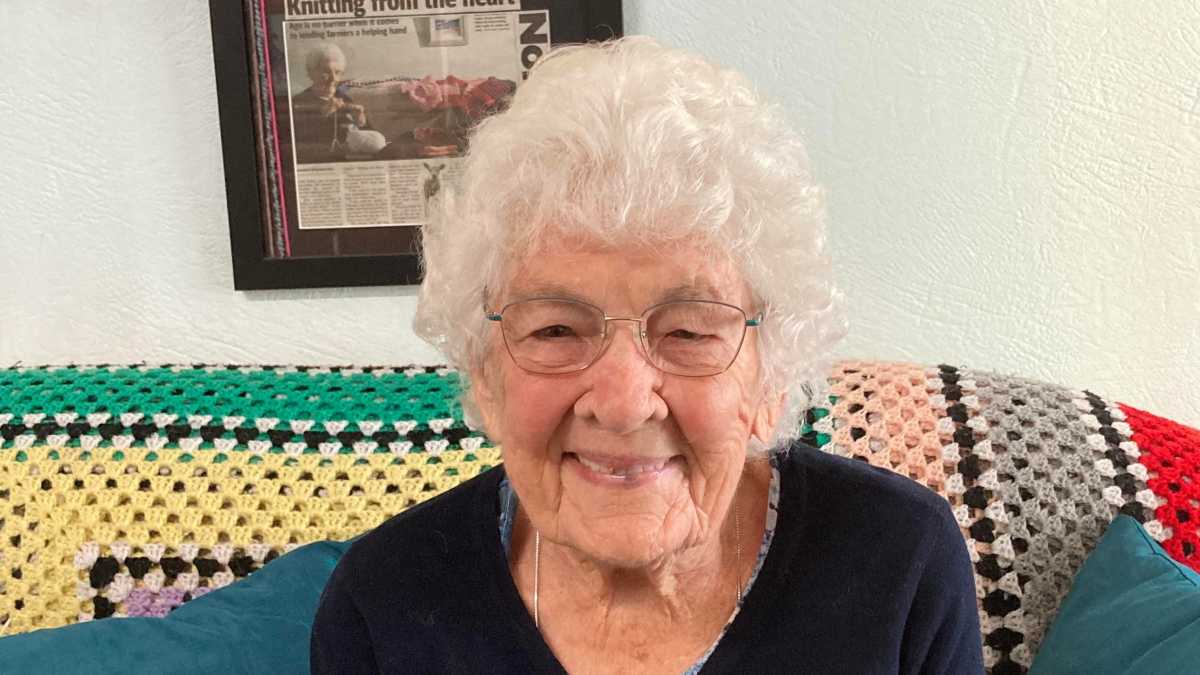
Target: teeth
631, 470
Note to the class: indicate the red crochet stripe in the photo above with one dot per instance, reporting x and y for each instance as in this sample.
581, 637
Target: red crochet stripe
1171, 453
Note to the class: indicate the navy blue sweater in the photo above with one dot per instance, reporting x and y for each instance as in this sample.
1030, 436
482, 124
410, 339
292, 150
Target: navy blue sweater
867, 573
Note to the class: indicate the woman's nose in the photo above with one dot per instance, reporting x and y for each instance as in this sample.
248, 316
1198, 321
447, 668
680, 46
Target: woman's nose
624, 392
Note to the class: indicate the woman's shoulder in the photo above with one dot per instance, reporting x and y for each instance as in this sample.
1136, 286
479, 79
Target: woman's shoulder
444, 528
418, 593
855, 487
871, 553
840, 514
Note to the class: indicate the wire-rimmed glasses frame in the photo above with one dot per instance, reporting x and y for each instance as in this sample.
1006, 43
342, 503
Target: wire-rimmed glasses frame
589, 346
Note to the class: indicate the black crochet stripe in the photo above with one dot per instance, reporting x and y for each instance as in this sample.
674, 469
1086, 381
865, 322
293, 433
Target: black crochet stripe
106, 568
1128, 483
313, 438
970, 465
997, 602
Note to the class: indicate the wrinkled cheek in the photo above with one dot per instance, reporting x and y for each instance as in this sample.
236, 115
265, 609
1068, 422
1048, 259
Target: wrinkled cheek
530, 417
530, 431
718, 469
530, 420
526, 473
718, 442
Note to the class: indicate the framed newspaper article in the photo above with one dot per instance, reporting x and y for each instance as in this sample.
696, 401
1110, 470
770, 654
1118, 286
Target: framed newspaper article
341, 119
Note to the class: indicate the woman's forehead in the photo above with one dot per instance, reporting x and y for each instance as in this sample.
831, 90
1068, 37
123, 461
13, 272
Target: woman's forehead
637, 275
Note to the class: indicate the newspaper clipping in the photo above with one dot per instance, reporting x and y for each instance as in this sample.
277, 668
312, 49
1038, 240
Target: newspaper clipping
383, 92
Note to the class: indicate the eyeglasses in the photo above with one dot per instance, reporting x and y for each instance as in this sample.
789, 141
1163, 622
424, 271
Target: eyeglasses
692, 338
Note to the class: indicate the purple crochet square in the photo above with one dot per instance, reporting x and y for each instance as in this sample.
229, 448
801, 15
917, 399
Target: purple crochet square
138, 602
145, 602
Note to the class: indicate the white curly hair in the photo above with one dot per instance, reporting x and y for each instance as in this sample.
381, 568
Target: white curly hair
628, 142
326, 52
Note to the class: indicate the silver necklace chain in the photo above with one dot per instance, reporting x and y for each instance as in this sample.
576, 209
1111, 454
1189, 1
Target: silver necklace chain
537, 560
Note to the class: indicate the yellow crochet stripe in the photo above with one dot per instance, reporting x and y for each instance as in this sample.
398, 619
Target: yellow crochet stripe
50, 508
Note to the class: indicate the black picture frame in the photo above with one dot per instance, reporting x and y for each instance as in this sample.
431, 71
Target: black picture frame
253, 267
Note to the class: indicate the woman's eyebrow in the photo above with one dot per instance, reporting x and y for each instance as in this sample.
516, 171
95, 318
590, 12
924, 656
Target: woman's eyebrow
702, 291
544, 290
549, 289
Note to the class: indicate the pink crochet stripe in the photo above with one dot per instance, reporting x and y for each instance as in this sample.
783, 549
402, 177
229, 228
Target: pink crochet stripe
283, 215
884, 416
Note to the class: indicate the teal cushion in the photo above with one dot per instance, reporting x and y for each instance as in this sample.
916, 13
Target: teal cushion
260, 624
1132, 609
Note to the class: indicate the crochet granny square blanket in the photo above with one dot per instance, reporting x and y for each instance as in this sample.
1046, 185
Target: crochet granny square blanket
129, 490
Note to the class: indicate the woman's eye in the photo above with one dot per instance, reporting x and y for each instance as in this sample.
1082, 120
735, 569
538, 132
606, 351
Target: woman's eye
551, 332
684, 334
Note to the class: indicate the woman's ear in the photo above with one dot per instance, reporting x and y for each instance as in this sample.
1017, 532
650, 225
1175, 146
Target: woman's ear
767, 416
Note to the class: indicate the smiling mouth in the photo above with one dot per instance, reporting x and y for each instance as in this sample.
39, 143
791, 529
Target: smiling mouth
620, 467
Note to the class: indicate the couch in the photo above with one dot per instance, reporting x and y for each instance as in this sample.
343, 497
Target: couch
133, 490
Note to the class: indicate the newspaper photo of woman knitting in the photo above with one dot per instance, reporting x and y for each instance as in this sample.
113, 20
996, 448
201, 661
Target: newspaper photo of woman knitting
329, 126
373, 99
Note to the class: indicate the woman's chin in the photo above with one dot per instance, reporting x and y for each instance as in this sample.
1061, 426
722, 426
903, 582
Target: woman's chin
623, 550
632, 541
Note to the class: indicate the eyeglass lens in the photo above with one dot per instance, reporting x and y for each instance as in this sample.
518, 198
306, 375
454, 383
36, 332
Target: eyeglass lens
685, 337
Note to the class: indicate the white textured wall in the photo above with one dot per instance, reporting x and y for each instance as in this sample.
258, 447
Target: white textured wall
115, 235
1013, 185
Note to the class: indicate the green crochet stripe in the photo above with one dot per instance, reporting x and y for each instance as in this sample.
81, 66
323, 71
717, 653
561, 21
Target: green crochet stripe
811, 435
285, 394
412, 396
417, 405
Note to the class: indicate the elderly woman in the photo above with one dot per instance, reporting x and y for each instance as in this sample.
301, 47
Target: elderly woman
631, 275
324, 117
